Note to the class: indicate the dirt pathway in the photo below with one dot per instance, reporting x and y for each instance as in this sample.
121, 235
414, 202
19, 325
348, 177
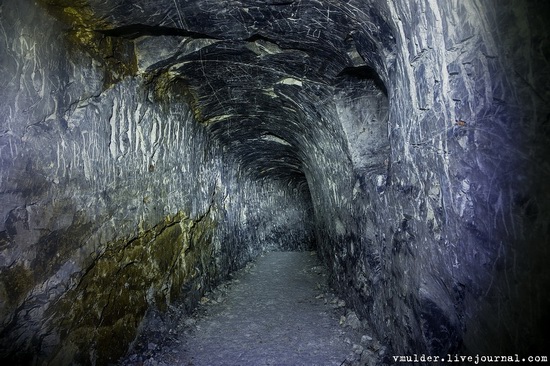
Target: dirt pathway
277, 311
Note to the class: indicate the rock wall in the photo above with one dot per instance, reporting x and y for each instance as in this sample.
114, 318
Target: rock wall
445, 239
113, 198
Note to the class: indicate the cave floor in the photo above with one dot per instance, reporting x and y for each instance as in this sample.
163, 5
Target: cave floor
276, 311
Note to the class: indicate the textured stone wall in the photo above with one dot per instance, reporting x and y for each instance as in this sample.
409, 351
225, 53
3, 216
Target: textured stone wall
447, 244
155, 146
113, 199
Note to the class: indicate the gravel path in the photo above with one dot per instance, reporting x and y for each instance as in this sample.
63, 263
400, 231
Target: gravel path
276, 311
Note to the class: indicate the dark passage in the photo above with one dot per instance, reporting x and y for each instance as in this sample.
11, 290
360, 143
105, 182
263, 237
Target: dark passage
149, 150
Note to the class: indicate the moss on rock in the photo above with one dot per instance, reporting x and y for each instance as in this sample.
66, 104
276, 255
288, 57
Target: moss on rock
101, 315
116, 54
16, 282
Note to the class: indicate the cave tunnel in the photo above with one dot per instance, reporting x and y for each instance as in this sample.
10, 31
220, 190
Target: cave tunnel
149, 149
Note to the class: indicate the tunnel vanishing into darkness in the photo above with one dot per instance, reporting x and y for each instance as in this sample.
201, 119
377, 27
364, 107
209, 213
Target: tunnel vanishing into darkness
148, 149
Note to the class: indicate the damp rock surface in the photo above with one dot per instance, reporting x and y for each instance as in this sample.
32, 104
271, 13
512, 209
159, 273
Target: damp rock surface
276, 311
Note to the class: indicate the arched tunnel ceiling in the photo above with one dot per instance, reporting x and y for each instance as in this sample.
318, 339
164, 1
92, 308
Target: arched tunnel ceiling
257, 73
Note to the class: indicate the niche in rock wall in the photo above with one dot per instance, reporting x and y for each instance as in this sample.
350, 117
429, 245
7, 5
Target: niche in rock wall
363, 109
